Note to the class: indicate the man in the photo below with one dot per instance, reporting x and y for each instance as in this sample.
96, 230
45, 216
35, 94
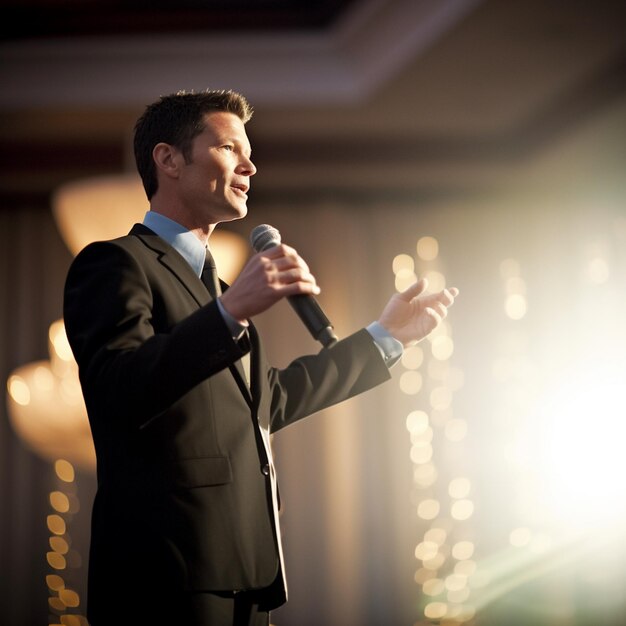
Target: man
180, 398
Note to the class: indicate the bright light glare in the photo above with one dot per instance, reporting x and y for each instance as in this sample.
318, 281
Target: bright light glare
584, 459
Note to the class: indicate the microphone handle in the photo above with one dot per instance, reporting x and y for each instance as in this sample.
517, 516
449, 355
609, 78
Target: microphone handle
312, 316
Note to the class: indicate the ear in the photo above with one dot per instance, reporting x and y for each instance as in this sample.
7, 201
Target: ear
167, 159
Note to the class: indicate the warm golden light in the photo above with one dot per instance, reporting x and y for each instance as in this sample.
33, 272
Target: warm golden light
46, 406
98, 208
73, 620
417, 422
410, 382
412, 357
59, 502
58, 338
462, 509
54, 582
19, 390
515, 306
56, 524
404, 279
421, 452
579, 473
58, 544
436, 535
459, 487
403, 262
436, 281
56, 560
106, 207
463, 550
433, 587
428, 509
427, 248
454, 582
442, 347
423, 436
43, 379
423, 574
436, 562
440, 383
435, 610
64, 470
426, 550
425, 475
69, 598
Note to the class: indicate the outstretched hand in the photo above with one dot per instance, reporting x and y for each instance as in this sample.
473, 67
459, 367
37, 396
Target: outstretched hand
413, 314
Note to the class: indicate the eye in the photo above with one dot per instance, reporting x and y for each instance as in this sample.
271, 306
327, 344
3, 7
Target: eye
229, 147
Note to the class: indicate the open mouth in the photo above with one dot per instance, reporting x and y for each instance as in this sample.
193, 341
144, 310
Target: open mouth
240, 190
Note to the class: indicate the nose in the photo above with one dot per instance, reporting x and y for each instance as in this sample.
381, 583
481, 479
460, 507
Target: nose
246, 166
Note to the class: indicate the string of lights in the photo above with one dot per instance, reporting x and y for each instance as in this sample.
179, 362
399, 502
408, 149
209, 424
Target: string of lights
443, 505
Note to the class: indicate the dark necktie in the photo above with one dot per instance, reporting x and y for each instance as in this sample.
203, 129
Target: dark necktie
209, 276
212, 283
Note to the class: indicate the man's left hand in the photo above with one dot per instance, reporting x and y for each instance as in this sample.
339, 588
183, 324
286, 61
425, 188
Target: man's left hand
413, 314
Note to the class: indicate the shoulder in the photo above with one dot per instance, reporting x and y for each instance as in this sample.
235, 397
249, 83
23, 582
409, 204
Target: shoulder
120, 250
107, 264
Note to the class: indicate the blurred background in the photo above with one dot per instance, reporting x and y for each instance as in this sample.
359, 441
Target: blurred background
479, 143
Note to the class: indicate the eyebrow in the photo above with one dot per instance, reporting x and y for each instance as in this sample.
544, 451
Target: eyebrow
240, 143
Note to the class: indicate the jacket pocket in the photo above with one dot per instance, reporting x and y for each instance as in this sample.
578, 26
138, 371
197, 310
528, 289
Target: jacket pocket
199, 472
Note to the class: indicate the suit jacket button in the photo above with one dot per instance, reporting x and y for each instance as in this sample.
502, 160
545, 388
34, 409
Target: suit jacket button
266, 469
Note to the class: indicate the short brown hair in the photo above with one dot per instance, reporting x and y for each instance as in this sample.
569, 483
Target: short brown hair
177, 119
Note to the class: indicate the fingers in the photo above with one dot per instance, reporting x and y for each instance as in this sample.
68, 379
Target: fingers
414, 290
450, 295
300, 279
445, 297
436, 316
287, 271
439, 309
283, 258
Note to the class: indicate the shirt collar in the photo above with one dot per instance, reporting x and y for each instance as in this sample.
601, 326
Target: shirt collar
181, 239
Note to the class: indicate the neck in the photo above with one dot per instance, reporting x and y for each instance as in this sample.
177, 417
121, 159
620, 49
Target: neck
182, 217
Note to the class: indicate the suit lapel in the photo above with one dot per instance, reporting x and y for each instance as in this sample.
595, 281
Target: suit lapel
173, 262
178, 266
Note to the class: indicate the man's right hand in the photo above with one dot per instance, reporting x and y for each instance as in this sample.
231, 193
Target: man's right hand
268, 277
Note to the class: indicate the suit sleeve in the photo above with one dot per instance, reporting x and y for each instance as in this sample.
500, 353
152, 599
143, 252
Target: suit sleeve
315, 382
127, 368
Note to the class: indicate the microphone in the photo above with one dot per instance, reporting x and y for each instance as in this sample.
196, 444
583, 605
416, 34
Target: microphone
264, 237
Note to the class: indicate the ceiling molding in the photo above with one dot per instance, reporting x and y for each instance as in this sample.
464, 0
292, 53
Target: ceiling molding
37, 19
371, 42
404, 164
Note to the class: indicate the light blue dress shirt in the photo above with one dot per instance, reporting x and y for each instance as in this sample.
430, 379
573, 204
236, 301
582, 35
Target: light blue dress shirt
194, 252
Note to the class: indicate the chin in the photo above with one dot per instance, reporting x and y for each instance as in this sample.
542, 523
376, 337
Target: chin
237, 213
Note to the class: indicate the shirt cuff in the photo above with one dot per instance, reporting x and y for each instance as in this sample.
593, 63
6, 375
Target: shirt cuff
235, 327
390, 348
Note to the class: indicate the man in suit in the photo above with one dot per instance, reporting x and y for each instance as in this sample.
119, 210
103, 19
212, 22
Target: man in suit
180, 398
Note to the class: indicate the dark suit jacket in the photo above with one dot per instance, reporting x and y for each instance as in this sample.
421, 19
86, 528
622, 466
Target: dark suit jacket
186, 488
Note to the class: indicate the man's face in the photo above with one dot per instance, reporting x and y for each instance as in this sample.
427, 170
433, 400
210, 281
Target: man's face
214, 182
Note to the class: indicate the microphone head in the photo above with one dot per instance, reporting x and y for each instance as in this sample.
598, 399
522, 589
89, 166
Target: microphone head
264, 237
